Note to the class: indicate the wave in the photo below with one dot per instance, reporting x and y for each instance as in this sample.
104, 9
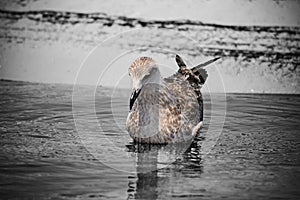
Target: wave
271, 44
62, 17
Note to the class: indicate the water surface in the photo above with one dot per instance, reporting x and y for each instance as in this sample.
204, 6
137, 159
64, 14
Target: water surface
44, 156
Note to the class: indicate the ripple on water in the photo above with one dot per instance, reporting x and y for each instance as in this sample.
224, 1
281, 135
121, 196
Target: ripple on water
42, 155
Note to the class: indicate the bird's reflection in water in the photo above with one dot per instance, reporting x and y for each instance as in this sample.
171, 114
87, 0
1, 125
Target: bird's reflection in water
158, 165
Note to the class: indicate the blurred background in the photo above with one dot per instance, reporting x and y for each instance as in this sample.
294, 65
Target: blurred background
54, 41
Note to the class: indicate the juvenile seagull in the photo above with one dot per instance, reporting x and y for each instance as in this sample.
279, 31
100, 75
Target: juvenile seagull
165, 110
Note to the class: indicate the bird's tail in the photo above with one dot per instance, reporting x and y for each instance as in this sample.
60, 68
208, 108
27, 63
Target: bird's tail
196, 75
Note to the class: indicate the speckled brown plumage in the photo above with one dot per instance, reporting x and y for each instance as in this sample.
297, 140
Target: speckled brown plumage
166, 110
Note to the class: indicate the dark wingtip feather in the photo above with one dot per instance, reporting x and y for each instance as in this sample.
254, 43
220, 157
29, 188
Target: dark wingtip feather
180, 62
201, 72
198, 72
206, 63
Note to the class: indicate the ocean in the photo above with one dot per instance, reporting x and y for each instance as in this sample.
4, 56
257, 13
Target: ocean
58, 143
54, 45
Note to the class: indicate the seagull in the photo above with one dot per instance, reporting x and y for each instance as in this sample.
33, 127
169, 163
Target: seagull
165, 110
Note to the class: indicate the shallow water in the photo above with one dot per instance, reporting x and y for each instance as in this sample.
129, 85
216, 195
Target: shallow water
44, 156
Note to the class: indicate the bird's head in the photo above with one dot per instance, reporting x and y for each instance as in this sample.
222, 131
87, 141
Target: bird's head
143, 71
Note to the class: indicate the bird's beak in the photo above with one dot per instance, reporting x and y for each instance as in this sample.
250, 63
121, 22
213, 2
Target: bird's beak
133, 97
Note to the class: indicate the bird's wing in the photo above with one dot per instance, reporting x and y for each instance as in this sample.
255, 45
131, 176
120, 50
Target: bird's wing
200, 72
197, 74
